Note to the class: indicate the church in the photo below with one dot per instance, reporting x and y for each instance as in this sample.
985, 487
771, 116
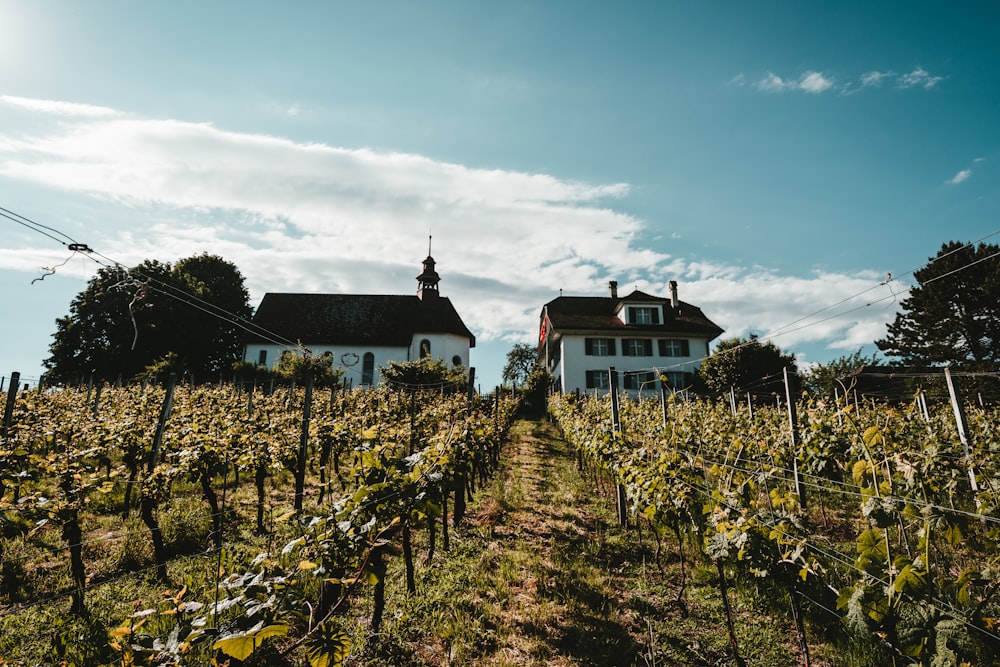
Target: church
362, 332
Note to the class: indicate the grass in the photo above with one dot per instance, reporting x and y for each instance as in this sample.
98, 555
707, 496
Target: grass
539, 573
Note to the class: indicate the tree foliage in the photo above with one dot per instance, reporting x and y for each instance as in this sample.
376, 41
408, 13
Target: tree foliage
745, 364
424, 373
953, 315
300, 367
823, 379
522, 360
155, 315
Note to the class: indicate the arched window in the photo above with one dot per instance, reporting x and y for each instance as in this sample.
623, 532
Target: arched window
368, 369
425, 348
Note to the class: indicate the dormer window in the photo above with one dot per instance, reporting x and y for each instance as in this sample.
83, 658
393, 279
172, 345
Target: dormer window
643, 315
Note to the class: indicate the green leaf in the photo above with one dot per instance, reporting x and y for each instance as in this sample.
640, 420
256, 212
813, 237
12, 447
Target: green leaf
242, 645
328, 647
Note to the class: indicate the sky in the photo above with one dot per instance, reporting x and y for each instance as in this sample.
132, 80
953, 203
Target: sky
788, 164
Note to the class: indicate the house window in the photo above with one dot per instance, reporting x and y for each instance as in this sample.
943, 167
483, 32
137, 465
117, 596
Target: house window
674, 347
598, 380
677, 380
599, 347
639, 379
368, 369
425, 348
262, 358
644, 315
637, 347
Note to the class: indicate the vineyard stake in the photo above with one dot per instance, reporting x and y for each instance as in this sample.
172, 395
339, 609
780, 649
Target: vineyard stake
621, 501
8, 410
300, 471
963, 426
800, 488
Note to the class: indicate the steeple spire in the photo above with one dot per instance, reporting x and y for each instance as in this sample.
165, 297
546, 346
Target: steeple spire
427, 281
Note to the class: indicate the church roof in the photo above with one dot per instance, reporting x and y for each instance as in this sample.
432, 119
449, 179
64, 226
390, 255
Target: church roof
355, 319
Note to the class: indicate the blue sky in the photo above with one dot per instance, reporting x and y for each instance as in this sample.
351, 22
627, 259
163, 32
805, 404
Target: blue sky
774, 158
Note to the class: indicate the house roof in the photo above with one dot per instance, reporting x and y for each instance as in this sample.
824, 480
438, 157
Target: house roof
355, 319
578, 314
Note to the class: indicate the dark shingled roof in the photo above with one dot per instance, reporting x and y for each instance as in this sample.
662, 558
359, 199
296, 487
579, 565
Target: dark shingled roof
355, 319
570, 314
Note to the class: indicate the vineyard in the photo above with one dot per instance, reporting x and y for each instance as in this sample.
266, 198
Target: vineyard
185, 525
190, 525
875, 529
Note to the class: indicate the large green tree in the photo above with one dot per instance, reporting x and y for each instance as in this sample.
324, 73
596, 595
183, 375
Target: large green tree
153, 315
952, 316
522, 360
747, 365
824, 379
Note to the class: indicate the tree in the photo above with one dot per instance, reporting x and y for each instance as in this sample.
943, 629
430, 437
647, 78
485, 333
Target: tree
299, 367
522, 360
154, 315
424, 373
746, 364
823, 379
953, 315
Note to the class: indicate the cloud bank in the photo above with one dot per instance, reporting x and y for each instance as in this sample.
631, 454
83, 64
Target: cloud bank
317, 218
814, 82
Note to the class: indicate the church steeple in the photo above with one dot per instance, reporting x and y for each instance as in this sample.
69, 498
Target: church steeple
427, 282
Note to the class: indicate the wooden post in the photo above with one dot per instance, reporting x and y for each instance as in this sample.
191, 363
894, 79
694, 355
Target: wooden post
621, 502
616, 424
300, 470
732, 400
800, 489
161, 424
963, 426
663, 398
750, 405
8, 410
922, 403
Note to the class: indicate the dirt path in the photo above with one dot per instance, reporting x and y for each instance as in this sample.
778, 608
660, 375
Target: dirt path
540, 574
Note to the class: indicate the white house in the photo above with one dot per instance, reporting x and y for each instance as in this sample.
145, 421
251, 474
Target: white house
362, 332
642, 336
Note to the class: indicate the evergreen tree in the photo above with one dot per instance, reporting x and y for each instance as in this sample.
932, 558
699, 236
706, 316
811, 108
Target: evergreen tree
953, 315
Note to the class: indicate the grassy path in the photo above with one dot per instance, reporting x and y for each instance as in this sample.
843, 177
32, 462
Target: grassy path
540, 574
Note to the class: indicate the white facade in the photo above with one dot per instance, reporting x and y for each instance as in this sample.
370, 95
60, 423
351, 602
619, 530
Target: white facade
575, 364
361, 363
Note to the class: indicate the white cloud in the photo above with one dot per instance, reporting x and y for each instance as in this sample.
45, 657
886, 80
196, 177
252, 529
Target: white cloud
874, 78
810, 82
919, 78
58, 108
313, 217
960, 176
772, 83
814, 82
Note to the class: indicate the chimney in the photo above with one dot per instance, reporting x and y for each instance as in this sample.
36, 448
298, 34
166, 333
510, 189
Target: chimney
614, 289
673, 294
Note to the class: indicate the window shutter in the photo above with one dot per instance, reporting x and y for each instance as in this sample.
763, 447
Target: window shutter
656, 315
588, 345
685, 348
647, 347
590, 379
631, 315
611, 347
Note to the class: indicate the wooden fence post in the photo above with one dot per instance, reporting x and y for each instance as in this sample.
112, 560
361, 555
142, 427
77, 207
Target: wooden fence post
300, 469
8, 410
963, 427
800, 488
